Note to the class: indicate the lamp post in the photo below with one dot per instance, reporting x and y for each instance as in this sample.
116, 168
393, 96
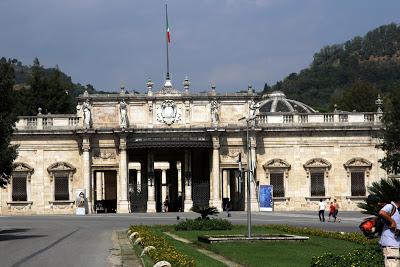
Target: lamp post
249, 172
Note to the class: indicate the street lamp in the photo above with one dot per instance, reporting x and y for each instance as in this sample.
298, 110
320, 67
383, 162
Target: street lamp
250, 171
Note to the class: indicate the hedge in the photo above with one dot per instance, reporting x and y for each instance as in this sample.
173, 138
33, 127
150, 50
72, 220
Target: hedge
200, 224
365, 257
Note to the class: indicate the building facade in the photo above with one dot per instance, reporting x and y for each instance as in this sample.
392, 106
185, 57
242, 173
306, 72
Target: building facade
131, 152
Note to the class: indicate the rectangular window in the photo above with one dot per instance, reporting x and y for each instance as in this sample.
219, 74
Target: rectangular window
317, 184
19, 186
61, 187
358, 184
276, 180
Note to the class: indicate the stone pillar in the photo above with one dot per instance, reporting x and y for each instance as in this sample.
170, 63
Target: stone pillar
253, 192
151, 200
86, 173
216, 194
99, 185
225, 183
123, 205
163, 186
188, 203
179, 169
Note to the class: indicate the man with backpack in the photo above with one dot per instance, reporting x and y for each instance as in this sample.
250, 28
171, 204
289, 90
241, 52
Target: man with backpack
390, 237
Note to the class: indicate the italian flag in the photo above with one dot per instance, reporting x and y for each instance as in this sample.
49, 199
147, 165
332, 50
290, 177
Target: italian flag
168, 32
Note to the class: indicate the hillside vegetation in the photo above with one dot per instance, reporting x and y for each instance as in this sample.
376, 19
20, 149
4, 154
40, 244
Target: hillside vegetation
338, 71
48, 88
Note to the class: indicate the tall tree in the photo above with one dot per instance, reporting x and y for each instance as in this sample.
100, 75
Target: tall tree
360, 96
391, 134
58, 97
35, 96
8, 152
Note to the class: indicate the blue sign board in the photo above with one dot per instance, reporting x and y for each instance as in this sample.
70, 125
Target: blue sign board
266, 200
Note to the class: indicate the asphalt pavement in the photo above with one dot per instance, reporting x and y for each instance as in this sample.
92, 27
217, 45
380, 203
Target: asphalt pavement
86, 240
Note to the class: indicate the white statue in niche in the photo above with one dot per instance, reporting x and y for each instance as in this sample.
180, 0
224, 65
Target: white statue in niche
87, 113
214, 112
123, 114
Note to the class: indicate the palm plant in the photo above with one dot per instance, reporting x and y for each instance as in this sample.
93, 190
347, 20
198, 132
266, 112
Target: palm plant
381, 193
205, 211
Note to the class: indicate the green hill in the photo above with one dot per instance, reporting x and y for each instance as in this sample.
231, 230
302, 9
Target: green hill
371, 61
23, 74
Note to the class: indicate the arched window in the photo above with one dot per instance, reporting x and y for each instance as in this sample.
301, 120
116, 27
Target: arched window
61, 175
317, 173
277, 171
357, 173
21, 181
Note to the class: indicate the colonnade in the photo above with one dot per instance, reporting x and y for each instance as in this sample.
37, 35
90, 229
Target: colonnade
216, 193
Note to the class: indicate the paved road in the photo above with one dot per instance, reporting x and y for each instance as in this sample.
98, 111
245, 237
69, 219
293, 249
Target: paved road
86, 240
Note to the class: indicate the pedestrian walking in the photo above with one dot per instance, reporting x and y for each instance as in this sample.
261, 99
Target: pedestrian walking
390, 238
321, 213
336, 210
331, 212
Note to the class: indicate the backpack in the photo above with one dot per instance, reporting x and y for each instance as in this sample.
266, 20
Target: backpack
373, 226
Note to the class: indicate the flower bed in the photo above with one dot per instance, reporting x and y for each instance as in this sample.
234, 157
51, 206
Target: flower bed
163, 250
352, 237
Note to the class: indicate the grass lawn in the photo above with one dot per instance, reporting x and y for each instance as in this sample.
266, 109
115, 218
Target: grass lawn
188, 249
259, 253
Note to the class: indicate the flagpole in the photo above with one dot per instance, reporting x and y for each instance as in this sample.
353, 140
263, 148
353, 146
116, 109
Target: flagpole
166, 40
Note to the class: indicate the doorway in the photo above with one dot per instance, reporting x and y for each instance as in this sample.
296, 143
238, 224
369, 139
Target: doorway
105, 191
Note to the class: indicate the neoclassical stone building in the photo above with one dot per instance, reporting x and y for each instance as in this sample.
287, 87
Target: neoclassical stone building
130, 152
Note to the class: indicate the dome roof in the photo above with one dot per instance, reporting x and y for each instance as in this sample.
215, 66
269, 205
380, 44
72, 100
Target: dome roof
277, 102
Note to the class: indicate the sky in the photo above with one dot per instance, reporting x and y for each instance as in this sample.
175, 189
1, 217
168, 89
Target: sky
231, 43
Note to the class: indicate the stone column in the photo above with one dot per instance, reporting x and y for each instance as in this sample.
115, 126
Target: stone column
123, 205
253, 192
188, 203
151, 200
216, 194
86, 173
163, 186
99, 185
225, 177
179, 169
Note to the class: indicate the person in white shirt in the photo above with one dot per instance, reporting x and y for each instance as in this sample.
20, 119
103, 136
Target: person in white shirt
321, 213
390, 237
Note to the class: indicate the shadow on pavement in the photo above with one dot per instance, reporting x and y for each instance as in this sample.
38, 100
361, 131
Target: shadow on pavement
13, 237
14, 230
12, 234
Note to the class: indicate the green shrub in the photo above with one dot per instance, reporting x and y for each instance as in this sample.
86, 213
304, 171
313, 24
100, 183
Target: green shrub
199, 224
164, 250
205, 211
366, 257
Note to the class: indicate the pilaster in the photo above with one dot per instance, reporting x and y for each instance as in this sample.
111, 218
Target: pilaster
216, 191
123, 205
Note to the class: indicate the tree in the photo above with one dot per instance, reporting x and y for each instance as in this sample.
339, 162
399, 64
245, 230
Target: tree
390, 134
360, 96
57, 94
381, 192
35, 97
8, 152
